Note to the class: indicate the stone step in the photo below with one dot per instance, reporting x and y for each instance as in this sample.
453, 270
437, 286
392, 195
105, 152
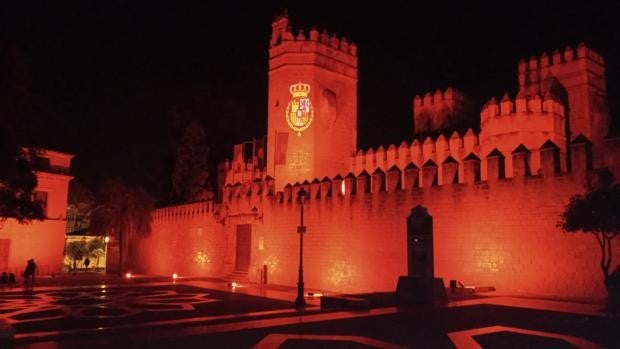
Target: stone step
237, 275
344, 302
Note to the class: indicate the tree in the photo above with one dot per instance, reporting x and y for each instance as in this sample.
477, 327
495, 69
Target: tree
80, 205
96, 248
17, 181
190, 177
76, 250
123, 213
596, 212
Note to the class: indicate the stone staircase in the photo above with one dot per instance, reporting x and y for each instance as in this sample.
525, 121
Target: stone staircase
240, 276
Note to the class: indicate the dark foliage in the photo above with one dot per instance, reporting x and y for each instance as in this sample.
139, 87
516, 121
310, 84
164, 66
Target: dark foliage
596, 212
122, 212
17, 181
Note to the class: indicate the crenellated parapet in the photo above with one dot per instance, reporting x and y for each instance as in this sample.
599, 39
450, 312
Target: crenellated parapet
523, 114
282, 33
242, 171
535, 72
198, 210
526, 120
577, 77
417, 153
247, 164
312, 47
439, 111
471, 169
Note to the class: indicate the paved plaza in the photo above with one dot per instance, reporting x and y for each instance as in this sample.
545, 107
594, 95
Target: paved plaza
161, 313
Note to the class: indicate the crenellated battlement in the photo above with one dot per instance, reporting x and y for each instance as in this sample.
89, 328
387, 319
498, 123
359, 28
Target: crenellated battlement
183, 212
318, 48
527, 121
439, 111
439, 149
521, 106
322, 49
247, 164
421, 173
577, 77
438, 98
240, 171
557, 59
282, 32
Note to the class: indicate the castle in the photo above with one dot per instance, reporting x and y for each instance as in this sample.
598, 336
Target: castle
495, 195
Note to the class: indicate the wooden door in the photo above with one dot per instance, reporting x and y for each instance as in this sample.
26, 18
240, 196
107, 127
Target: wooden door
244, 242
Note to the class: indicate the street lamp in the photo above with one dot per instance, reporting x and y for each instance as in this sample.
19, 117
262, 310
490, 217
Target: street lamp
301, 229
105, 252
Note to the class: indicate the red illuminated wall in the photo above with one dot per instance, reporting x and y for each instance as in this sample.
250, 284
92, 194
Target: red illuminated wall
499, 233
185, 240
42, 240
490, 230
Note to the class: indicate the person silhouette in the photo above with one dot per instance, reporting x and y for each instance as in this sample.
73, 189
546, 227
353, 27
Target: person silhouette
29, 272
86, 263
4, 279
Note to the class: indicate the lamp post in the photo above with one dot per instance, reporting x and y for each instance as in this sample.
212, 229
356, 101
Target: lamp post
105, 252
300, 302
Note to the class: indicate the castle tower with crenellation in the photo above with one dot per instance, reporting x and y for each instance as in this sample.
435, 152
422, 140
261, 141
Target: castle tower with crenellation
577, 79
441, 112
312, 104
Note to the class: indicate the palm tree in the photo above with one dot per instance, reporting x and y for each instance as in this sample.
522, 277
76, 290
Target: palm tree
123, 213
96, 248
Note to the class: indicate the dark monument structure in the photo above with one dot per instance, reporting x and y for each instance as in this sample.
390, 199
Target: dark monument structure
420, 285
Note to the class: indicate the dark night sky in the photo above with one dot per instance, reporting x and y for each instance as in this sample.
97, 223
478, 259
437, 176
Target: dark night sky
102, 79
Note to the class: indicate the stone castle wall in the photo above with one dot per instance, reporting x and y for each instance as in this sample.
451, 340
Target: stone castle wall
495, 195
500, 232
185, 239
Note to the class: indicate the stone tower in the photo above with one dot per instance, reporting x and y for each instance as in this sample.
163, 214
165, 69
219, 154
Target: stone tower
312, 104
441, 112
577, 78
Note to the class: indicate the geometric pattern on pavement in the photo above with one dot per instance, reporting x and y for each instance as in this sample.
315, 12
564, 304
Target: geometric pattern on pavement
276, 340
104, 303
465, 339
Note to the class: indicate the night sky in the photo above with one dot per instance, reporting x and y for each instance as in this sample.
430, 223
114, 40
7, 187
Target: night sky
109, 81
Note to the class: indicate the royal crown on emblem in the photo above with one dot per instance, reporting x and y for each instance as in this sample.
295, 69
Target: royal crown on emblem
300, 89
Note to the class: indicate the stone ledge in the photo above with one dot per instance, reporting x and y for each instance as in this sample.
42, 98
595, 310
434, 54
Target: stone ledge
344, 302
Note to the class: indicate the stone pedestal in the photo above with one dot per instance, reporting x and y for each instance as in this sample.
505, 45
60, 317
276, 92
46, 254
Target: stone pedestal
411, 289
420, 285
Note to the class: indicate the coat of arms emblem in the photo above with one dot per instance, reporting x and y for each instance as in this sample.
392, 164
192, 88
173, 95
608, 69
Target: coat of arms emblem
299, 111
